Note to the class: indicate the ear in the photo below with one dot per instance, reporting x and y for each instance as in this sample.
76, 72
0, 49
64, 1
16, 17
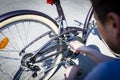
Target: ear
114, 20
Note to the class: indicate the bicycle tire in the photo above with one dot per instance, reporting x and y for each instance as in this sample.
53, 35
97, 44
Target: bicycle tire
11, 20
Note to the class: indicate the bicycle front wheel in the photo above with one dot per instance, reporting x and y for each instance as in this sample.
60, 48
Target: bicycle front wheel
21, 28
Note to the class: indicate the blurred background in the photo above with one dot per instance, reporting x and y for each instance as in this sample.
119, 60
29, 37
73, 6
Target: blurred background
73, 9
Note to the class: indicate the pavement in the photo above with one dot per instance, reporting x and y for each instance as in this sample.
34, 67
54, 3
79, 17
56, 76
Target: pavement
74, 10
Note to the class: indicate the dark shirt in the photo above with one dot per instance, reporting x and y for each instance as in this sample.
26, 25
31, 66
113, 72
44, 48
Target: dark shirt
109, 70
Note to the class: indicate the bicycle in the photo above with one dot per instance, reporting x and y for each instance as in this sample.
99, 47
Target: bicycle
40, 60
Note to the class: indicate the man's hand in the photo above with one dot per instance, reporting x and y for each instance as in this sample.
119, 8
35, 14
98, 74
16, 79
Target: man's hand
72, 72
76, 45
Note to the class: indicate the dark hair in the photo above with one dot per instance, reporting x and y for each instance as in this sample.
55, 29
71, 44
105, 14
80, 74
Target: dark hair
103, 7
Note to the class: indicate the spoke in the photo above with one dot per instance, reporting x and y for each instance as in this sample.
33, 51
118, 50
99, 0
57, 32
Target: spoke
19, 34
9, 50
10, 58
42, 35
6, 73
13, 39
25, 34
26, 30
9, 42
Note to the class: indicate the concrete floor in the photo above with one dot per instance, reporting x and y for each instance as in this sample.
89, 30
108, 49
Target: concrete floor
73, 9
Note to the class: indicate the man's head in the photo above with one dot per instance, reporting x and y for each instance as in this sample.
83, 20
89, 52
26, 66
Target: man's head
107, 15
